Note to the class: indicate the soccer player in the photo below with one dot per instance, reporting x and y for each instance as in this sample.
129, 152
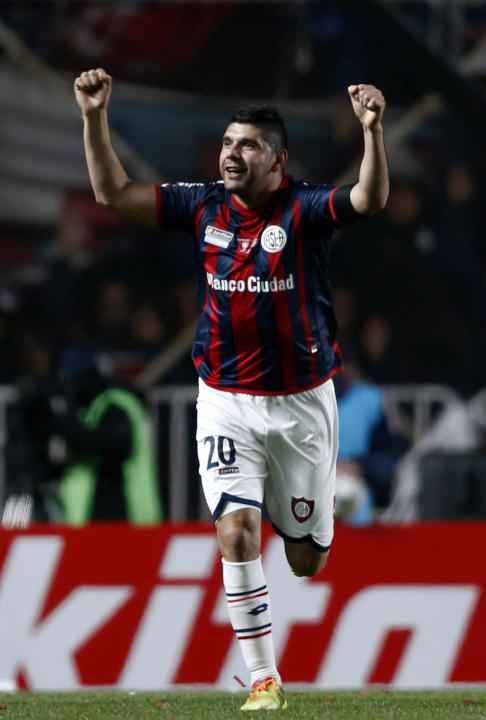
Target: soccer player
265, 349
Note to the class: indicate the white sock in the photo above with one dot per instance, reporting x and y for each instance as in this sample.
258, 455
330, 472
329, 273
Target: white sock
250, 616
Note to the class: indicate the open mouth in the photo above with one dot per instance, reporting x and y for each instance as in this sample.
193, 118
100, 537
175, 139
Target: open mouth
234, 172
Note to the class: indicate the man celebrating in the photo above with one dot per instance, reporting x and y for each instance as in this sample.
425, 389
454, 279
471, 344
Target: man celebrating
265, 349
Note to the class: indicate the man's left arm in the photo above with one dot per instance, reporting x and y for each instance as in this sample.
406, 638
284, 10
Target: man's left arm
370, 193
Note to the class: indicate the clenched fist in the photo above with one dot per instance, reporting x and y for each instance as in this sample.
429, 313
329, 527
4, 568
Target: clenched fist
92, 90
368, 104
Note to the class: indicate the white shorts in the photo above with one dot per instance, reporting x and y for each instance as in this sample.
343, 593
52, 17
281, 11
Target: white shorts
277, 448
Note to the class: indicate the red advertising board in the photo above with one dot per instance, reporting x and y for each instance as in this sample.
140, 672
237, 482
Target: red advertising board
112, 605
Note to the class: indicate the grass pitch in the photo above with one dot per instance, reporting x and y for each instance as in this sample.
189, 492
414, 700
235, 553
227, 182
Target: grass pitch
202, 705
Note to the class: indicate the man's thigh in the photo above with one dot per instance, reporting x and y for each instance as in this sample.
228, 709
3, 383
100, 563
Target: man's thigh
232, 461
302, 467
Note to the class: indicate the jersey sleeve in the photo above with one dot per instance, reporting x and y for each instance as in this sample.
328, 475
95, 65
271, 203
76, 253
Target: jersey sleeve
331, 206
177, 205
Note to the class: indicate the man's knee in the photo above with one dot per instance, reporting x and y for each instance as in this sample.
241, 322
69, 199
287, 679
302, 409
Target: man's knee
309, 567
239, 535
305, 560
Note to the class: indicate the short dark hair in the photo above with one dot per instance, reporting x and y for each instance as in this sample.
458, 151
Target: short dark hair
268, 119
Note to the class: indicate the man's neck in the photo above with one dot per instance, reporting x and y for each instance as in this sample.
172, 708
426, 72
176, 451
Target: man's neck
261, 199
254, 202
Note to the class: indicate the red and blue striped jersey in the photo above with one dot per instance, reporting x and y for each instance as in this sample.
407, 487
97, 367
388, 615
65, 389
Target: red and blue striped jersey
267, 324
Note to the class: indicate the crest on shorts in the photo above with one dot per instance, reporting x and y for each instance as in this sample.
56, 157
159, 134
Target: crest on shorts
302, 508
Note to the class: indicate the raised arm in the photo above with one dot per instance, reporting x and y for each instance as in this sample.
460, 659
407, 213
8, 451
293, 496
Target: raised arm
135, 201
370, 193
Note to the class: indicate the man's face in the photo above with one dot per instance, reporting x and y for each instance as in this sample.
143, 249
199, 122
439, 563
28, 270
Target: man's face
248, 165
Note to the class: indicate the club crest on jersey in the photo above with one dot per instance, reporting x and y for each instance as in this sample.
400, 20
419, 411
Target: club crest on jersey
246, 245
216, 236
274, 238
302, 508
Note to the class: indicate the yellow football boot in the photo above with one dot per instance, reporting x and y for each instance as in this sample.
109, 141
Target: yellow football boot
266, 695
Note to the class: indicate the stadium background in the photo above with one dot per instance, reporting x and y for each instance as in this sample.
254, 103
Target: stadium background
409, 285
77, 286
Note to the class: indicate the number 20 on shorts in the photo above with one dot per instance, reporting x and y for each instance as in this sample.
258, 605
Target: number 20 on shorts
221, 451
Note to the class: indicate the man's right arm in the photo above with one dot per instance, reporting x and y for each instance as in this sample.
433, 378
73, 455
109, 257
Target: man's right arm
134, 201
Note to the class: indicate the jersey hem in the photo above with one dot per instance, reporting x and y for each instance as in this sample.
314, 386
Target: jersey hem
293, 391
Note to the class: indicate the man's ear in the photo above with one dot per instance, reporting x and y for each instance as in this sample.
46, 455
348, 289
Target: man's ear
281, 160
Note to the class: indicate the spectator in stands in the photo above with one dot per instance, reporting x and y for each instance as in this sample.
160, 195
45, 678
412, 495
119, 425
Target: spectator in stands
460, 252
375, 350
63, 298
147, 327
399, 252
112, 314
8, 347
88, 433
347, 311
368, 448
110, 471
28, 456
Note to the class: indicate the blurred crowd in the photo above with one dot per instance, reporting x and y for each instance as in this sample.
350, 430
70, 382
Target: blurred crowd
409, 291
409, 284
93, 294
93, 288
